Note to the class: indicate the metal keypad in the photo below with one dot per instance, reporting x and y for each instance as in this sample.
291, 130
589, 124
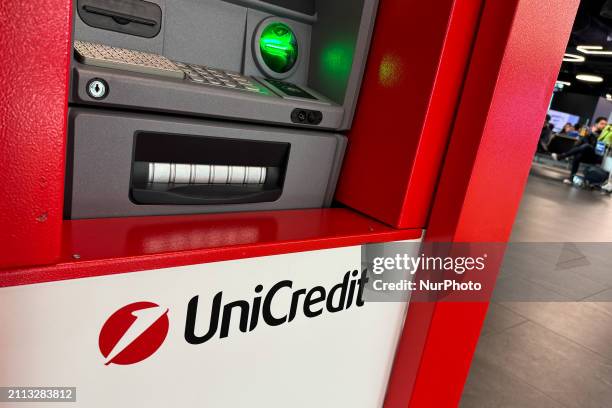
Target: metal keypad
212, 76
120, 58
137, 61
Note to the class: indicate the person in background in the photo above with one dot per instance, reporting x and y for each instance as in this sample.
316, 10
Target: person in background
545, 135
584, 151
567, 128
606, 136
570, 130
599, 125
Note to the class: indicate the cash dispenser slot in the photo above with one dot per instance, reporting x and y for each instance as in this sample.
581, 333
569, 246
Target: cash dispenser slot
200, 170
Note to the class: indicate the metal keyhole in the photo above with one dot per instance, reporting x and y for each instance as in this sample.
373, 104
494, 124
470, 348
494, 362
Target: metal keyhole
97, 88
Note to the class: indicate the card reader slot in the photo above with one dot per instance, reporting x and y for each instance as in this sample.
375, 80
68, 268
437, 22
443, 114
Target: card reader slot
134, 17
120, 18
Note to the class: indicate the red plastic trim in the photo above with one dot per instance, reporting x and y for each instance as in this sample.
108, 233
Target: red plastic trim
516, 60
108, 246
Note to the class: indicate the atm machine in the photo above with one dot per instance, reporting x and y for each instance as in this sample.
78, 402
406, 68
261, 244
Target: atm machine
183, 107
170, 162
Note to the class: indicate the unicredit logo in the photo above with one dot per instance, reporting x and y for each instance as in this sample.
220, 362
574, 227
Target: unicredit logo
137, 330
311, 302
133, 333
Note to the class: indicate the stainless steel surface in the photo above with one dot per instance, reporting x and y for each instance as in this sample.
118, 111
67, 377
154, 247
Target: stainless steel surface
101, 55
217, 77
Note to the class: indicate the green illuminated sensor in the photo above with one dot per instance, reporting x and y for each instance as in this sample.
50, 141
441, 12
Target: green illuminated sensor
279, 48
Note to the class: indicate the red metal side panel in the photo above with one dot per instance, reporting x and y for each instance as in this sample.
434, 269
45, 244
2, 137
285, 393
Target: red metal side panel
412, 80
516, 59
35, 37
441, 112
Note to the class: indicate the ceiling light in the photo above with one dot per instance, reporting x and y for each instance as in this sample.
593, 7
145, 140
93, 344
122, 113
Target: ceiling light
593, 50
567, 57
589, 78
565, 83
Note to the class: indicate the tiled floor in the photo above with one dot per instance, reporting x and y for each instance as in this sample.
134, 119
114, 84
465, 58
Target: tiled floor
556, 353
553, 212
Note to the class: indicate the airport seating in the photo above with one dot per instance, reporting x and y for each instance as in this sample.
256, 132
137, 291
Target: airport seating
560, 144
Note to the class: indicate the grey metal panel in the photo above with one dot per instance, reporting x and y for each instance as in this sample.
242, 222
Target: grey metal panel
103, 141
86, 33
302, 32
362, 48
343, 27
219, 33
207, 32
134, 90
335, 173
299, 10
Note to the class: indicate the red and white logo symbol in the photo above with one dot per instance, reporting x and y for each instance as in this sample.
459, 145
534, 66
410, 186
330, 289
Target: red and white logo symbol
133, 333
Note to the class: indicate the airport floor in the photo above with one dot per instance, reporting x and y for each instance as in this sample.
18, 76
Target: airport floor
556, 353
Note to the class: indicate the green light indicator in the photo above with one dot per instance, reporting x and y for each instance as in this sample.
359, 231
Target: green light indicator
279, 48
